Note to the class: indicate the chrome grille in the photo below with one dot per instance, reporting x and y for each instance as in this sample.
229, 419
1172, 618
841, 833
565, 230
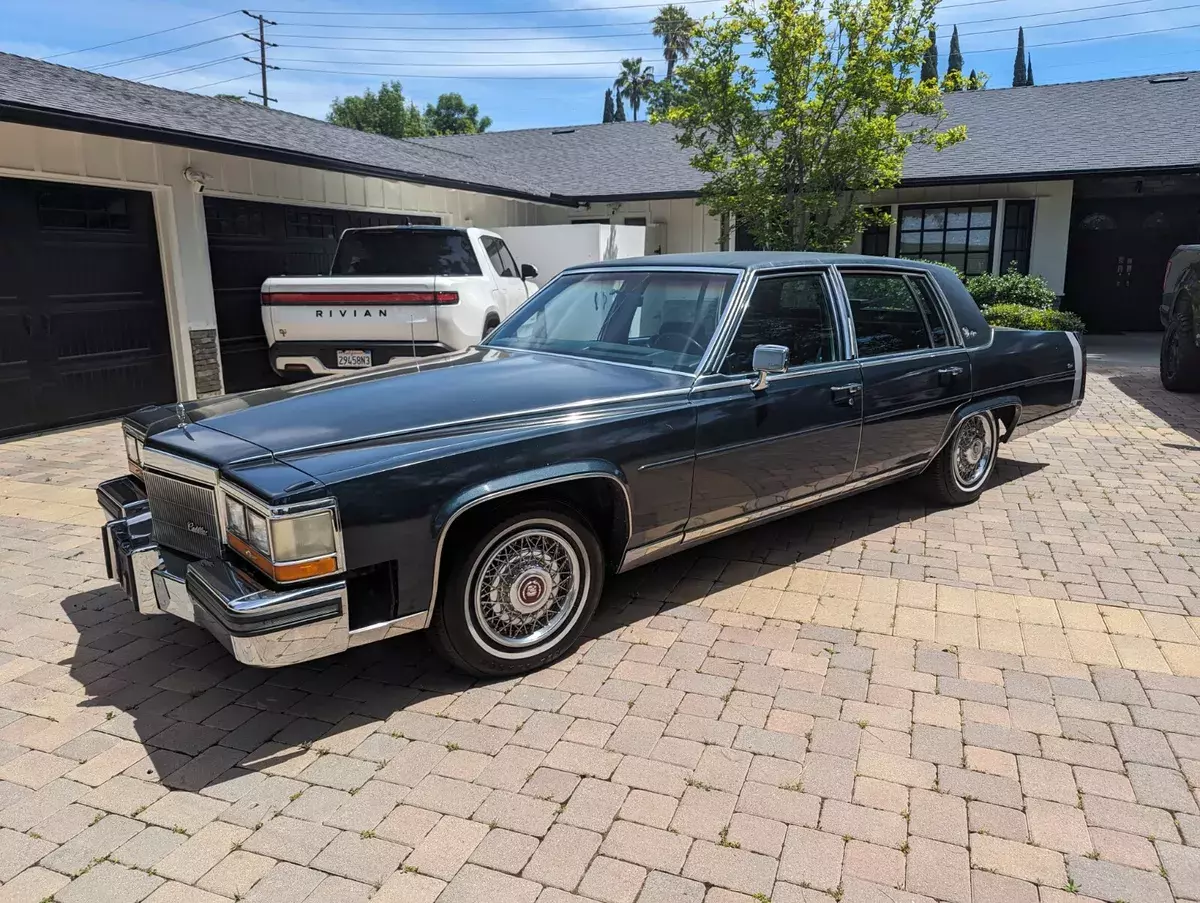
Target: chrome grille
184, 515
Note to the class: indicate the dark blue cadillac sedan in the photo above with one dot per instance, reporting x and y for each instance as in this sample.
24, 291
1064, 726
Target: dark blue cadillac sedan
629, 410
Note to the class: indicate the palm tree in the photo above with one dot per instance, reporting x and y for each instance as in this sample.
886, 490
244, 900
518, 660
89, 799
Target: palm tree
675, 27
634, 82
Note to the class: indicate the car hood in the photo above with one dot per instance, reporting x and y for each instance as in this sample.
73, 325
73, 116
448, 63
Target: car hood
468, 390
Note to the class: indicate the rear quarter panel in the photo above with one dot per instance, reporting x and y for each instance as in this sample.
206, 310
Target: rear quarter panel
1044, 369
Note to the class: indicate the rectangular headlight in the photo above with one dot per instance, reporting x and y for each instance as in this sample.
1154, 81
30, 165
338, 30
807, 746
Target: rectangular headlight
308, 536
133, 452
235, 517
256, 532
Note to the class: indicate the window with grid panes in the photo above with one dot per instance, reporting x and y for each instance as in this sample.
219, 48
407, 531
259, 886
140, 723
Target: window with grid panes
877, 240
1018, 236
958, 234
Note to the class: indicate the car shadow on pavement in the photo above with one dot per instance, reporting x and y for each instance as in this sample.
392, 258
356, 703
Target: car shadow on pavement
1178, 410
205, 723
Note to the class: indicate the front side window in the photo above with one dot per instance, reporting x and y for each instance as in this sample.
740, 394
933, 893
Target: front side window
890, 316
793, 311
655, 318
406, 252
958, 234
510, 265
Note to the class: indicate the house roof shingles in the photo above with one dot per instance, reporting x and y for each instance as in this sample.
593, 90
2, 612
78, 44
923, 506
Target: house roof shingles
1126, 124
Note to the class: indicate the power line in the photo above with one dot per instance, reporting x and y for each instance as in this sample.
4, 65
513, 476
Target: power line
467, 65
139, 37
182, 69
606, 78
1053, 12
476, 13
1108, 37
223, 81
150, 56
355, 37
1143, 12
394, 50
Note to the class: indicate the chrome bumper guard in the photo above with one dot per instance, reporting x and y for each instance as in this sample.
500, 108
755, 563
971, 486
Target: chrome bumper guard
258, 625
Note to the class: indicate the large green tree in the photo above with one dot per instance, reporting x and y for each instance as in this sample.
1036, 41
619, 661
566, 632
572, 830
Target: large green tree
619, 112
454, 116
929, 62
674, 27
954, 62
797, 111
609, 110
383, 113
635, 83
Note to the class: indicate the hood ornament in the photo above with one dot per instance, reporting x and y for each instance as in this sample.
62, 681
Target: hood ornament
181, 414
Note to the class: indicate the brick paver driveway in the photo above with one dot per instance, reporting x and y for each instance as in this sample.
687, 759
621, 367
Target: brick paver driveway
870, 702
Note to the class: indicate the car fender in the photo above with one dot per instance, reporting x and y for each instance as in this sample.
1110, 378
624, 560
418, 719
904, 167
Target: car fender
525, 480
978, 406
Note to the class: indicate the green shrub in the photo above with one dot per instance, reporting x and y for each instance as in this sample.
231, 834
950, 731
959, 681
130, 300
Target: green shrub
1022, 316
1011, 288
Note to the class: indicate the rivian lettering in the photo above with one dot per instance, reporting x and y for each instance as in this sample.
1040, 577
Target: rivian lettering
351, 312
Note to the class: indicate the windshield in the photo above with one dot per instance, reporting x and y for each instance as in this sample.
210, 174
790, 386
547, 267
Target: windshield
405, 252
658, 318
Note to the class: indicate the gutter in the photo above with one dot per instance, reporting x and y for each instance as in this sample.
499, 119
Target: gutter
94, 125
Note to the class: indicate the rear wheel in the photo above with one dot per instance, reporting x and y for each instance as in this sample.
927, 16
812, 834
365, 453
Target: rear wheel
961, 470
519, 597
489, 324
1179, 359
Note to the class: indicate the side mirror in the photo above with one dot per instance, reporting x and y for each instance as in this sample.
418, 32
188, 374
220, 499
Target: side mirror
768, 359
528, 271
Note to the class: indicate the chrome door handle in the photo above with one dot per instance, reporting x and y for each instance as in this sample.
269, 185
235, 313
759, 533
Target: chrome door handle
947, 375
847, 394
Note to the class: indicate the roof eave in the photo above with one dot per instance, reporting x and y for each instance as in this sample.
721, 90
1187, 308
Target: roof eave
95, 125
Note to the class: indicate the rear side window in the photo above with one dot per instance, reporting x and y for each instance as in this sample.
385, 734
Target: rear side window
500, 257
405, 252
890, 316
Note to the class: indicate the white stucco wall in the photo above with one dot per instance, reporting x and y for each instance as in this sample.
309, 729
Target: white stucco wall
686, 226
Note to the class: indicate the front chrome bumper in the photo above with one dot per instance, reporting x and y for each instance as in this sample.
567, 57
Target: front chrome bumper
259, 625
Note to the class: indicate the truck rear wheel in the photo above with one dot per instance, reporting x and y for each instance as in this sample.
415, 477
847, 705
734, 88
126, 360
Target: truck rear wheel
1179, 360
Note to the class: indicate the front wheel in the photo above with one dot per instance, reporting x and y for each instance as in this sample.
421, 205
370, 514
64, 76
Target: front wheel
1179, 359
521, 595
962, 468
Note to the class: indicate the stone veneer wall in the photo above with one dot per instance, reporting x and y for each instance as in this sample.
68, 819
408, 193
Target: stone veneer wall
206, 362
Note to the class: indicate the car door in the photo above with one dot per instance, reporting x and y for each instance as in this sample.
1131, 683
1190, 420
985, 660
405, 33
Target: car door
507, 273
762, 450
915, 371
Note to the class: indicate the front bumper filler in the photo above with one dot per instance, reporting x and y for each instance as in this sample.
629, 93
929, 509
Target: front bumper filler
259, 625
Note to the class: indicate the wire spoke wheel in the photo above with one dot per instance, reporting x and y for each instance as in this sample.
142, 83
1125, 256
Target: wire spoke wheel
974, 451
526, 586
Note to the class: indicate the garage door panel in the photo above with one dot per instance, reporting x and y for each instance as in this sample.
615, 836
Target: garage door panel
248, 242
83, 333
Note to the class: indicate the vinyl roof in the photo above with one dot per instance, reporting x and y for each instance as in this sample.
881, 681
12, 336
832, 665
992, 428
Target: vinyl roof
1134, 124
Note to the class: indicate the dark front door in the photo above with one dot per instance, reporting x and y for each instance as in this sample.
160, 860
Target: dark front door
83, 320
758, 450
1117, 257
914, 372
248, 242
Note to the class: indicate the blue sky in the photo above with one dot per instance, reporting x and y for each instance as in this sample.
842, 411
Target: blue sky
565, 57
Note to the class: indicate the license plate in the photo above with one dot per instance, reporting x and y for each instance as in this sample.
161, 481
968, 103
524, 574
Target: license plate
354, 359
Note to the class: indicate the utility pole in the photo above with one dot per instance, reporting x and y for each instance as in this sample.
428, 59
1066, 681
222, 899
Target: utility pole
261, 62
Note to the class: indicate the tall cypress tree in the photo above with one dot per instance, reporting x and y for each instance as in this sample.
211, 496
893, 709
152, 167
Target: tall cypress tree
1020, 79
1029, 69
609, 112
619, 113
954, 62
929, 66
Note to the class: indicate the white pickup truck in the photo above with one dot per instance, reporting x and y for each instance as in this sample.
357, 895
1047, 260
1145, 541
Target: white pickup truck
393, 293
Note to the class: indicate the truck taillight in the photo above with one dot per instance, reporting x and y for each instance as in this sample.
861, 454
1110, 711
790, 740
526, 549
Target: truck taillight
324, 298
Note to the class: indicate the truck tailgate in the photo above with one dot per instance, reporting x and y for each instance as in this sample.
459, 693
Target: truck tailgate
353, 308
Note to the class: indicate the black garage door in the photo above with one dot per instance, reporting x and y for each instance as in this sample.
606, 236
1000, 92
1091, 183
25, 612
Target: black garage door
83, 322
249, 241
